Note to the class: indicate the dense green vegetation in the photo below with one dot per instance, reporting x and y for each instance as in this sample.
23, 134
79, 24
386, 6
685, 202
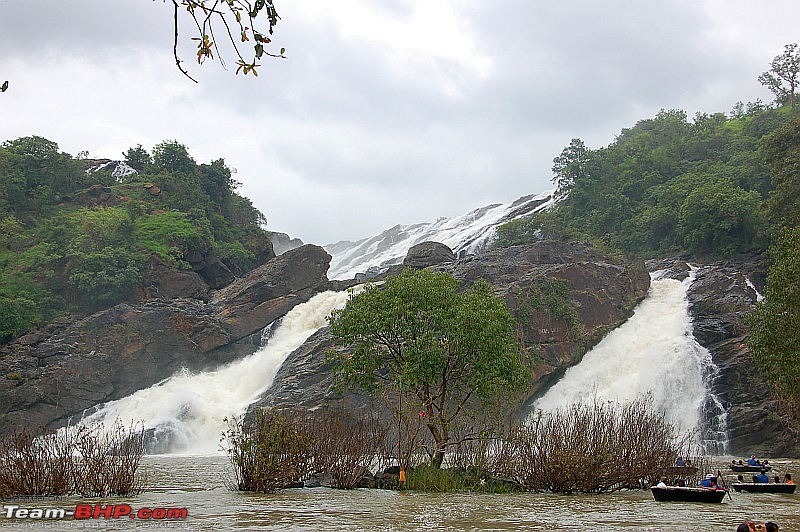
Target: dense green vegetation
775, 324
72, 241
666, 185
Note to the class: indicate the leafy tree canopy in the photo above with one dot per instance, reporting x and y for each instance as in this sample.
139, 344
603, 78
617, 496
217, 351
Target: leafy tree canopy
774, 326
784, 75
668, 184
439, 351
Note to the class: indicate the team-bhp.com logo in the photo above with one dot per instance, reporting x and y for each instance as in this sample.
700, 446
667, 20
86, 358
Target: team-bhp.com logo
94, 511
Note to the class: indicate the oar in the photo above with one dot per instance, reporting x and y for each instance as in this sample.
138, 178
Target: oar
720, 477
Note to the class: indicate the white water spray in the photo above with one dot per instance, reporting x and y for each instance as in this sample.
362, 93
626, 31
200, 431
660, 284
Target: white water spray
188, 409
654, 352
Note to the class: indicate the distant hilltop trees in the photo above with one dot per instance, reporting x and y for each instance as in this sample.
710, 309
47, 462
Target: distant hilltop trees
76, 241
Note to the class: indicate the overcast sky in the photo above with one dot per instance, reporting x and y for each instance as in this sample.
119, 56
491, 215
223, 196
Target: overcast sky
384, 111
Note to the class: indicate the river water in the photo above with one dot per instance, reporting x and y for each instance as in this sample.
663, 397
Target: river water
198, 484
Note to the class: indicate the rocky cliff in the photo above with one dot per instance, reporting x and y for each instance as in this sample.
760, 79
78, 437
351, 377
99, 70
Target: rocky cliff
585, 294
722, 293
56, 374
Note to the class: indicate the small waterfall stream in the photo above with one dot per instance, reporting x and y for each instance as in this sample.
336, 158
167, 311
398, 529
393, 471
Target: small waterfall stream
185, 412
654, 353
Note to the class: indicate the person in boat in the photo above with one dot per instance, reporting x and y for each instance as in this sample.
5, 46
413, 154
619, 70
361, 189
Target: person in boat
709, 482
787, 479
770, 526
679, 462
763, 478
662, 484
752, 461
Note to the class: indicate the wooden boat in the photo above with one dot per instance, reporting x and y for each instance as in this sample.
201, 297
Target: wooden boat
687, 494
745, 468
764, 487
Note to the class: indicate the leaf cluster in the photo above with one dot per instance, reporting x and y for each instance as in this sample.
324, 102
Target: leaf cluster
241, 21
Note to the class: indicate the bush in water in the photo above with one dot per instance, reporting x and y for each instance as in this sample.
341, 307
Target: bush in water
87, 461
277, 448
270, 451
590, 447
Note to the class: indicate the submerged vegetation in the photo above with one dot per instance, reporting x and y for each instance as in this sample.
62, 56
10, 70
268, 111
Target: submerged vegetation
80, 460
583, 448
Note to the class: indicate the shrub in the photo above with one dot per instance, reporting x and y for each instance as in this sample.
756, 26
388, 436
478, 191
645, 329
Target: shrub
78, 460
589, 447
268, 452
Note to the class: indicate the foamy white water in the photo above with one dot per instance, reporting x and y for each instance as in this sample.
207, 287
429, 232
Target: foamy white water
472, 232
654, 352
188, 409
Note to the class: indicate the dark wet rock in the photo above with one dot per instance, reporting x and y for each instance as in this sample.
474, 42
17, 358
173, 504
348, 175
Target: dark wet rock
52, 376
722, 294
428, 254
602, 292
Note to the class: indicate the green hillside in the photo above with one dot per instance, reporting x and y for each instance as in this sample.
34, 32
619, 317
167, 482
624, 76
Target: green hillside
668, 184
74, 240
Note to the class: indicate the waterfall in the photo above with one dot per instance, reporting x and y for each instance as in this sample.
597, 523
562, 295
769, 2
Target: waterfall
654, 353
185, 412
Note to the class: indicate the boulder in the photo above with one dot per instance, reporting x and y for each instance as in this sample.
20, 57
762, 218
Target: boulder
428, 254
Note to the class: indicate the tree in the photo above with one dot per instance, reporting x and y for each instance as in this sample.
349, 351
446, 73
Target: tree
783, 76
172, 156
719, 217
239, 20
430, 351
774, 326
137, 158
570, 167
782, 156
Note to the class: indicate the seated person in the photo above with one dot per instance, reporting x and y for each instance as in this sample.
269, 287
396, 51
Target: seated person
787, 479
763, 478
709, 482
679, 462
752, 460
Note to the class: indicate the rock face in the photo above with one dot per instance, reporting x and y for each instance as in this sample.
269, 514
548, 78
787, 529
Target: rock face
50, 377
281, 242
722, 293
600, 291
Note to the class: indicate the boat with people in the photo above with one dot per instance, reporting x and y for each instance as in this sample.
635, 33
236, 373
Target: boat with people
688, 494
751, 465
747, 468
764, 487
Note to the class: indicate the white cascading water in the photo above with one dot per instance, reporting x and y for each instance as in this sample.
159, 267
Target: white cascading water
472, 232
655, 353
187, 409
